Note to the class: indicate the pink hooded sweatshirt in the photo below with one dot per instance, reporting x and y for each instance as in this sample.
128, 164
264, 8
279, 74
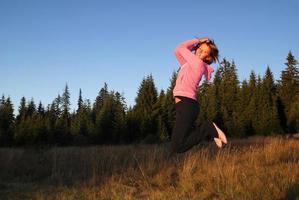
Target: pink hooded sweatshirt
191, 71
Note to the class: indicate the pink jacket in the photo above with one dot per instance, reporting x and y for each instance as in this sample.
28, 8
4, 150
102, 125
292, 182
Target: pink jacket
191, 71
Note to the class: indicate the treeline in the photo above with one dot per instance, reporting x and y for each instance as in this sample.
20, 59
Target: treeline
259, 106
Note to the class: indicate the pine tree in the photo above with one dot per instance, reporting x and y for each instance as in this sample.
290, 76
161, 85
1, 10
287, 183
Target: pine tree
23, 131
32, 120
132, 124
64, 122
294, 115
143, 109
88, 116
52, 115
81, 125
119, 108
7, 120
288, 89
77, 117
169, 106
268, 114
210, 99
97, 132
80, 101
31, 109
228, 91
242, 123
207, 105
251, 110
57, 106
111, 122
40, 126
41, 109
55, 122
2, 100
22, 110
159, 113
30, 124
258, 103
66, 101
19, 135
98, 104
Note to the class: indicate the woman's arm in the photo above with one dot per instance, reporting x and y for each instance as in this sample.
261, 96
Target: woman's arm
183, 52
209, 70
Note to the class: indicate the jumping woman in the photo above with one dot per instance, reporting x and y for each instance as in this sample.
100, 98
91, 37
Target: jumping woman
193, 66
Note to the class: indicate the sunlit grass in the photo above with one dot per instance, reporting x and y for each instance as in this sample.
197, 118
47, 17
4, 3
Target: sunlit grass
261, 168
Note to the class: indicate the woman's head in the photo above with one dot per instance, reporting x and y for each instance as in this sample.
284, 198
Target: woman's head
207, 51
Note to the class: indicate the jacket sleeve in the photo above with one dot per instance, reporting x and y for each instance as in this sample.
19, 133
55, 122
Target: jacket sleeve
208, 71
183, 52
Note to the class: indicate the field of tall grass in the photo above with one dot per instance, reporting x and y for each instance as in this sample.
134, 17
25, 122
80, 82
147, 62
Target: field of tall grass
257, 168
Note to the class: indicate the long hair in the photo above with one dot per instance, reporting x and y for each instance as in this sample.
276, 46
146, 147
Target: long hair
214, 49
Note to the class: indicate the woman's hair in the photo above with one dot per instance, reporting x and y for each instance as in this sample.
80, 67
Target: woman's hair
214, 50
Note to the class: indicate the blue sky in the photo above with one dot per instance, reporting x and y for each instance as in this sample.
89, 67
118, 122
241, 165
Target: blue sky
45, 44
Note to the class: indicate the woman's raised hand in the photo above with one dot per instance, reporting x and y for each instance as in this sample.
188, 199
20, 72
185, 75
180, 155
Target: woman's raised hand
203, 40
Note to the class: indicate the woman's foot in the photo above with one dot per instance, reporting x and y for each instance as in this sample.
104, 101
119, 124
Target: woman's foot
218, 142
221, 137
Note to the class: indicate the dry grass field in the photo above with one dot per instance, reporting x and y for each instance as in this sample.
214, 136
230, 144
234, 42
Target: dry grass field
257, 168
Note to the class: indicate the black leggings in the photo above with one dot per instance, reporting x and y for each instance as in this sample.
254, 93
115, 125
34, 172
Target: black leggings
185, 133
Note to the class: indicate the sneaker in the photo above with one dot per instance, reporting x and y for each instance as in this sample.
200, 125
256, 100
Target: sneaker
221, 135
218, 142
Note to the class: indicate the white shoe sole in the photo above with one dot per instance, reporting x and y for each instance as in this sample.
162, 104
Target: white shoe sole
218, 142
221, 135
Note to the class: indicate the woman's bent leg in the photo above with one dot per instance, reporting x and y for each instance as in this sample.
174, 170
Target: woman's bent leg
186, 114
200, 133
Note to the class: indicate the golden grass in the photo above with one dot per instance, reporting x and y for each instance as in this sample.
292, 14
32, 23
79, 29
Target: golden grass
261, 168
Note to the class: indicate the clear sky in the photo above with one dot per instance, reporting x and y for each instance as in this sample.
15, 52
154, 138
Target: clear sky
84, 43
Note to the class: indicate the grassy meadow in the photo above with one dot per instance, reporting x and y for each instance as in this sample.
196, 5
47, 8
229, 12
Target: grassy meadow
255, 168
